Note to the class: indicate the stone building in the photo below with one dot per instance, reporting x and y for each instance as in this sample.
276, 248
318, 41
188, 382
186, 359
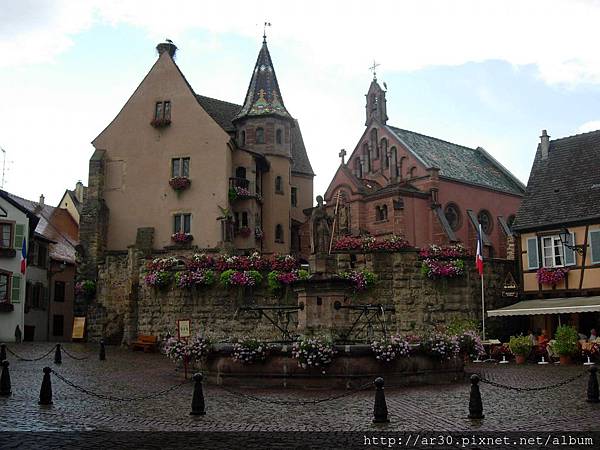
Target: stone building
426, 189
177, 168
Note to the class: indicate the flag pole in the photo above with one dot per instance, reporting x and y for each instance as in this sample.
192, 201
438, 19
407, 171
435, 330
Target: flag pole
482, 309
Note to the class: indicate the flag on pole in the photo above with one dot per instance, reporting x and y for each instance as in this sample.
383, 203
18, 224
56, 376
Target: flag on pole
23, 256
479, 257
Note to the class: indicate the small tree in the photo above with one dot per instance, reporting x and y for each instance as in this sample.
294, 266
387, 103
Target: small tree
565, 341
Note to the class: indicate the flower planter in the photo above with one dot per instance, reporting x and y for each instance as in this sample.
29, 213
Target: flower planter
182, 238
565, 360
520, 359
160, 123
180, 184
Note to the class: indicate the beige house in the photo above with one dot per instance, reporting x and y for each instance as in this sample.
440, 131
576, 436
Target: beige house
177, 168
559, 228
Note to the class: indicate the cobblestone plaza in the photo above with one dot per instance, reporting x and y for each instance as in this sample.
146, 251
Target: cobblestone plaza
130, 374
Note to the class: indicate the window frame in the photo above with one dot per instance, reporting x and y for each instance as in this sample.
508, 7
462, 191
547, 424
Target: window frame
11, 240
259, 135
294, 197
182, 222
457, 210
279, 136
279, 184
550, 252
64, 291
279, 230
490, 222
179, 162
8, 296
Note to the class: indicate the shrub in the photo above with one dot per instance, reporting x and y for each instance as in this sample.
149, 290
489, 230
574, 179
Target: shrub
361, 279
458, 326
241, 278
440, 345
520, 345
566, 341
193, 278
313, 352
250, 350
470, 344
387, 350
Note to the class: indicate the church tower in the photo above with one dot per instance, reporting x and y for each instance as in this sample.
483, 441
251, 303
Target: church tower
376, 103
264, 126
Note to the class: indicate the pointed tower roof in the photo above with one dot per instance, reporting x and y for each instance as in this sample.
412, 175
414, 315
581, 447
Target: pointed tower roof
263, 96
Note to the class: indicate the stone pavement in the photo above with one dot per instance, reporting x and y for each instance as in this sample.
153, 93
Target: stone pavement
126, 373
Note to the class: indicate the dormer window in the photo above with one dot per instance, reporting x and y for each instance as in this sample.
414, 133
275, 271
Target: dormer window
260, 135
162, 114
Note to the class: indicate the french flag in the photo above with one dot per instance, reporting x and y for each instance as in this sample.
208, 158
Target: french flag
23, 256
479, 257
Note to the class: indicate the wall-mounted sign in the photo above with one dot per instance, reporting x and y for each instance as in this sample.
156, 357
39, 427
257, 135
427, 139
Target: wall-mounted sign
510, 287
78, 328
183, 329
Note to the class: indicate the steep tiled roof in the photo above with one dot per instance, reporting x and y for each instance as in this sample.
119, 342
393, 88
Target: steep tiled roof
221, 112
565, 187
301, 163
224, 112
460, 163
55, 225
263, 96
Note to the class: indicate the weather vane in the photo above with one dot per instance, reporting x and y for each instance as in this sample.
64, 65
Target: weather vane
374, 68
267, 24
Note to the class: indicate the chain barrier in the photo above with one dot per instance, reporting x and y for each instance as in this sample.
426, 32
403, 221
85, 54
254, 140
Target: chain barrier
528, 389
112, 398
296, 402
72, 356
21, 358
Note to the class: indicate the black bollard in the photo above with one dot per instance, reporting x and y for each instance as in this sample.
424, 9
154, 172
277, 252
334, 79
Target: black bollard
102, 350
57, 355
2, 352
380, 411
593, 395
198, 397
46, 390
5, 380
475, 403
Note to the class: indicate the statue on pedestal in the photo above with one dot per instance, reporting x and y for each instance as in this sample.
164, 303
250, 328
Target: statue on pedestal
320, 229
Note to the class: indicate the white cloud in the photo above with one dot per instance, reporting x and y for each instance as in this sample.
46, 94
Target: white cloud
592, 125
558, 36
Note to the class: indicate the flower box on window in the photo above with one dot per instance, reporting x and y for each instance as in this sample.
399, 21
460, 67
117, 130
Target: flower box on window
6, 307
181, 238
180, 183
160, 123
551, 276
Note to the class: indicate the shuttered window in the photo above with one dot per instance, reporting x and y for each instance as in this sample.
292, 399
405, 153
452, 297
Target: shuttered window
19, 234
570, 255
595, 246
16, 288
532, 253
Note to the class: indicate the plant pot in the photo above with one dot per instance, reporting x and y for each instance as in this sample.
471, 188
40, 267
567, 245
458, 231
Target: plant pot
520, 359
565, 360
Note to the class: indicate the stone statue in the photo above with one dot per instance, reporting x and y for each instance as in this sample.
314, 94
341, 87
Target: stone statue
320, 229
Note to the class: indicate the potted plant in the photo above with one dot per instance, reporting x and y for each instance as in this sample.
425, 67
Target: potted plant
520, 346
566, 343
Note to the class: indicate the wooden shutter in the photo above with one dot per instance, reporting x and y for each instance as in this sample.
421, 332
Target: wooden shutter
533, 260
19, 234
16, 288
595, 246
570, 255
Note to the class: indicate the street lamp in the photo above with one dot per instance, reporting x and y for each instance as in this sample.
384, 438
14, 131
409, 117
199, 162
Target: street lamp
565, 238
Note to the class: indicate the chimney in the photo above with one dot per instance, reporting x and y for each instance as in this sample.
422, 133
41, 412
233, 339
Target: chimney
168, 47
42, 200
79, 191
544, 144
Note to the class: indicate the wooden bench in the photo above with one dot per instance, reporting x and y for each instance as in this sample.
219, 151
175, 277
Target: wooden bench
146, 343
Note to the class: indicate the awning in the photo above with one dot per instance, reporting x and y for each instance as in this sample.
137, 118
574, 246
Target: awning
549, 306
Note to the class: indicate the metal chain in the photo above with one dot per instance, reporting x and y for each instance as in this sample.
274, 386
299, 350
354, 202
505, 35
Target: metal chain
296, 402
529, 389
28, 359
74, 357
112, 398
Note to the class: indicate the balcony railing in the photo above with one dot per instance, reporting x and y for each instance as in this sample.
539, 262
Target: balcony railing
239, 182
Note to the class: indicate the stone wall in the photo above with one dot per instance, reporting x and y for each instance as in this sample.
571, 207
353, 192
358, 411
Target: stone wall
125, 307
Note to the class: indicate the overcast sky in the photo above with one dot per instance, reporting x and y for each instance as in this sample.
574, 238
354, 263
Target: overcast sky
471, 72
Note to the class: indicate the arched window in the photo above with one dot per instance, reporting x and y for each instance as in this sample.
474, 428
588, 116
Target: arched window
279, 233
412, 173
240, 172
279, 136
452, 213
358, 168
374, 143
377, 213
485, 219
367, 156
394, 161
384, 212
260, 135
386, 158
243, 138
278, 184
